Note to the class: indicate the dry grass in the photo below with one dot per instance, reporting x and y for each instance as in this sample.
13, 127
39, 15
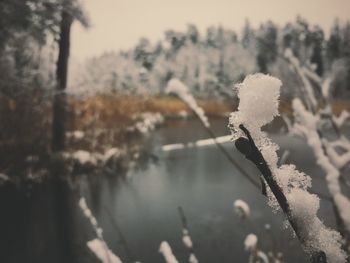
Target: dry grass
26, 121
114, 111
110, 115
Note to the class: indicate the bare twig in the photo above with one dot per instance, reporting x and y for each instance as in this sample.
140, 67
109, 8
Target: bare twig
228, 155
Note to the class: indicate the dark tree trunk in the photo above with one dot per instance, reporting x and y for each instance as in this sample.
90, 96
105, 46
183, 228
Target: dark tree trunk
59, 106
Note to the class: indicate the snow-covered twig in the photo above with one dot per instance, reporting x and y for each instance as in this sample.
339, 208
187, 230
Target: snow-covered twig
168, 255
311, 98
325, 149
306, 122
287, 186
241, 208
102, 252
342, 118
98, 246
256, 255
186, 238
175, 86
339, 160
342, 143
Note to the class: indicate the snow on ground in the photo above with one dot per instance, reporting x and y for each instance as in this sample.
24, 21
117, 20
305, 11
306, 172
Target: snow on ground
146, 122
93, 158
84, 157
77, 135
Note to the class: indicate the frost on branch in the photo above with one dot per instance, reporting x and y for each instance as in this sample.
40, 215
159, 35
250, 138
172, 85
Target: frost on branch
98, 246
165, 249
176, 87
306, 122
288, 54
186, 238
241, 208
256, 108
258, 105
256, 255
250, 242
102, 252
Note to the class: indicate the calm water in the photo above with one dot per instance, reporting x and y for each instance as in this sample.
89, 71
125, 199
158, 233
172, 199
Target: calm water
142, 207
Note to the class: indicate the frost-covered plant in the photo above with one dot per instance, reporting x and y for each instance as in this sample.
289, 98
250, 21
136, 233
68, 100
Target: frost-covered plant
256, 255
102, 252
287, 187
241, 208
309, 123
168, 255
175, 86
186, 238
146, 122
98, 246
306, 124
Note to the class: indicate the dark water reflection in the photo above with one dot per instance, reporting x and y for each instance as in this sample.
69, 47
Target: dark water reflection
144, 204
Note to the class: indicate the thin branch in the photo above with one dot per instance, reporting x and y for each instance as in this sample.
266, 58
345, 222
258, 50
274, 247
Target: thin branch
228, 155
129, 255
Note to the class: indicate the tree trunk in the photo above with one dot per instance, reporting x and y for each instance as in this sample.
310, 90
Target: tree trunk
59, 106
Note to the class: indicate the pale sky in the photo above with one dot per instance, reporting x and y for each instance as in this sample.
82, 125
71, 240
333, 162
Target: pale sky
119, 24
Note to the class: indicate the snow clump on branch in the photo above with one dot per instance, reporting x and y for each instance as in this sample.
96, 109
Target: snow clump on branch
241, 208
259, 99
175, 86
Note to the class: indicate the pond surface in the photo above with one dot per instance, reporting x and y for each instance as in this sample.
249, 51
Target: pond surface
141, 208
